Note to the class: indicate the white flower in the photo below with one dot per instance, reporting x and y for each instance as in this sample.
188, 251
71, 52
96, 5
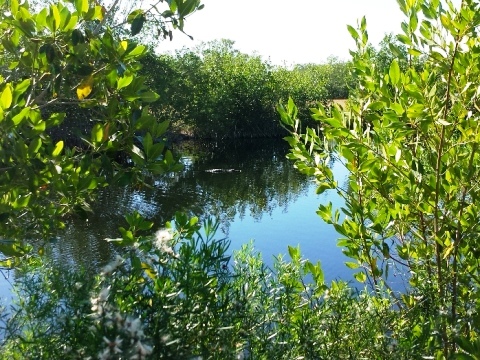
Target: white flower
104, 355
97, 307
114, 346
163, 235
107, 269
162, 240
118, 318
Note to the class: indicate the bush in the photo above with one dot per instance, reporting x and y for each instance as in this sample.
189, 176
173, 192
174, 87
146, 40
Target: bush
214, 91
409, 141
174, 295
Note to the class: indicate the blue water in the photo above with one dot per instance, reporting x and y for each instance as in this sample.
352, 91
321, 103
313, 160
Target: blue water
300, 226
265, 200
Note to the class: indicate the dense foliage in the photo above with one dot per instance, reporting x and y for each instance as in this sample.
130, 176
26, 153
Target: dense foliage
410, 142
409, 139
64, 65
215, 91
176, 295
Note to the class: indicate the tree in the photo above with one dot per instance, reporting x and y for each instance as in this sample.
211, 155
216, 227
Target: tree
59, 62
410, 141
391, 48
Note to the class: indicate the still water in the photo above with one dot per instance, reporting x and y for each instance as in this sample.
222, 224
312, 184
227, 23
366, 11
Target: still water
249, 186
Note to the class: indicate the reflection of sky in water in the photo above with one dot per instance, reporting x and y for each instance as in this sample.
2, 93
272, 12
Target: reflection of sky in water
300, 225
6, 279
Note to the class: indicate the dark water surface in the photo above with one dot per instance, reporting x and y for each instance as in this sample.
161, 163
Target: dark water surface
257, 195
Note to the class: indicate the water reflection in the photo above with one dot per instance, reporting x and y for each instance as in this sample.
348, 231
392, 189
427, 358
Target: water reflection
256, 194
253, 180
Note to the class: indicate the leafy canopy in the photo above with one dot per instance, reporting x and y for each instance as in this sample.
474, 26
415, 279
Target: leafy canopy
409, 139
61, 63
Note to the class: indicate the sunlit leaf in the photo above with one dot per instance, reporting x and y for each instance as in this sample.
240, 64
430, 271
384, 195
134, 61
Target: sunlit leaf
124, 81
58, 148
6, 97
56, 17
81, 6
85, 88
394, 72
361, 277
353, 32
352, 265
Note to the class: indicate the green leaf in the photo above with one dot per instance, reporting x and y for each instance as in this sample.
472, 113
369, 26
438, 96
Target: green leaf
464, 357
322, 187
81, 6
22, 115
77, 37
173, 5
97, 133
394, 72
147, 144
34, 146
137, 25
353, 32
56, 17
360, 276
149, 96
187, 7
13, 248
137, 51
404, 39
55, 119
58, 148
21, 202
14, 7
414, 52
135, 14
352, 265
294, 252
124, 81
20, 89
6, 97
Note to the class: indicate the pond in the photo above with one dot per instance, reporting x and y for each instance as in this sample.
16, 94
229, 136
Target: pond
249, 186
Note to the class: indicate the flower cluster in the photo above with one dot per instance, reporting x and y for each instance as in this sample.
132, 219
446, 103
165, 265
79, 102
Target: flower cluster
163, 238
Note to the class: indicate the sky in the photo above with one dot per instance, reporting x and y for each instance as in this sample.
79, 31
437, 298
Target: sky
288, 32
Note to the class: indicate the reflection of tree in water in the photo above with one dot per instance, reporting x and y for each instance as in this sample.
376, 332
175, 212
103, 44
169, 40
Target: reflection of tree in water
266, 180
261, 181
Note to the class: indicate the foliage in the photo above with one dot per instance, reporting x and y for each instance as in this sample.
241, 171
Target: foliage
60, 64
174, 295
410, 142
215, 91
153, 21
